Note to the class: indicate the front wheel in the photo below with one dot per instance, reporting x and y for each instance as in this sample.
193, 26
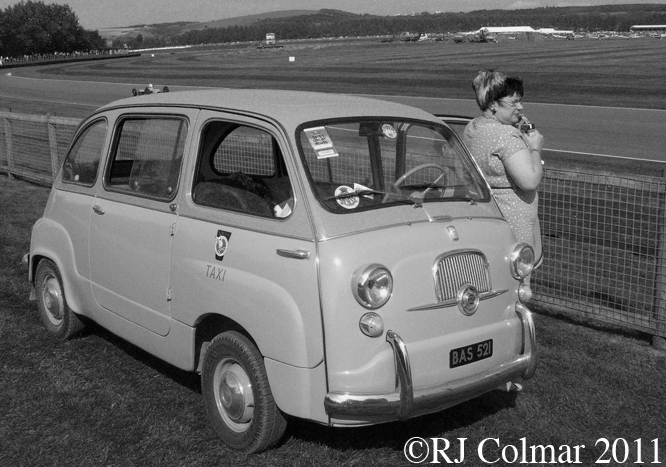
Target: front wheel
55, 314
237, 395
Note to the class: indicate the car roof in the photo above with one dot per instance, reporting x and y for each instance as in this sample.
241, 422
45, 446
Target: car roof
287, 107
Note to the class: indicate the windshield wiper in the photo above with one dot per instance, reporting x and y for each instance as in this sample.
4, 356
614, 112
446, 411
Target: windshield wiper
351, 194
368, 192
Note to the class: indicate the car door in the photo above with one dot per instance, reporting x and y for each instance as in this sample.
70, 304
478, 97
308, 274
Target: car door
134, 215
244, 247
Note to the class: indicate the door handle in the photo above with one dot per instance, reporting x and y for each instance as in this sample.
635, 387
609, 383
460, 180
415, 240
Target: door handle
295, 254
97, 209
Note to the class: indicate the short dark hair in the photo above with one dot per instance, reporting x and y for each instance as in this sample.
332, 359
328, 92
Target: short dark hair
491, 86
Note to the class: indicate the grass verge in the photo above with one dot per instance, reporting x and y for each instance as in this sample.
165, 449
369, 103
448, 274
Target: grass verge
97, 400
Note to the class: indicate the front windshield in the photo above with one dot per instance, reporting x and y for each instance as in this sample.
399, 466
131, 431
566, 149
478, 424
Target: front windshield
370, 164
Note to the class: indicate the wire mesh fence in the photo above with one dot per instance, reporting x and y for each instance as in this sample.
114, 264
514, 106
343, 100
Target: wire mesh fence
604, 247
604, 236
34, 146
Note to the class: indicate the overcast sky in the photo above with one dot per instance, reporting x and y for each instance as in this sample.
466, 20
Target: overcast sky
98, 14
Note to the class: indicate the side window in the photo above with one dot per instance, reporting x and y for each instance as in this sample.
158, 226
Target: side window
241, 169
83, 159
147, 156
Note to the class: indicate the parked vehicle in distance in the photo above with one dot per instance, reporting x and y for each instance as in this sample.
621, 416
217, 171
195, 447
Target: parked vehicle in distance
150, 89
329, 257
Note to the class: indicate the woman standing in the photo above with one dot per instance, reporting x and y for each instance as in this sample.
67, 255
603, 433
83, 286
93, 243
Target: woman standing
510, 159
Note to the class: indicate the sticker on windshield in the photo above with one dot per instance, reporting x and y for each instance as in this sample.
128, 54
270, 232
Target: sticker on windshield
347, 202
389, 131
321, 142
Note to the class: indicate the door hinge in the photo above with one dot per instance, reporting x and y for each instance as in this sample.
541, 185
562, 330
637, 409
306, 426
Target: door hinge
168, 294
173, 229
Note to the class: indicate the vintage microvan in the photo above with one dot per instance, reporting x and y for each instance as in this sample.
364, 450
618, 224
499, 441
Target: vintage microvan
328, 257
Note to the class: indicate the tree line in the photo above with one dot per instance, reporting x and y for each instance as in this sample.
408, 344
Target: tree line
334, 23
33, 28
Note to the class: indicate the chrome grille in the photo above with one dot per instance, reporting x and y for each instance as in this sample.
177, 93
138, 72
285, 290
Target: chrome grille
454, 270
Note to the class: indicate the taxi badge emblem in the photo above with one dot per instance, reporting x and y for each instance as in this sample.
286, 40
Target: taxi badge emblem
221, 244
453, 233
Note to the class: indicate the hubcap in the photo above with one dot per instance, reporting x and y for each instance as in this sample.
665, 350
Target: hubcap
52, 299
234, 395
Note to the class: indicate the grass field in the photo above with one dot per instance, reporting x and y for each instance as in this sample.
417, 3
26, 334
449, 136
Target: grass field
98, 401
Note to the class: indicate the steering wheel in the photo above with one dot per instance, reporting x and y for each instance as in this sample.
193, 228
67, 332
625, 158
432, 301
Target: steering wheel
411, 171
232, 199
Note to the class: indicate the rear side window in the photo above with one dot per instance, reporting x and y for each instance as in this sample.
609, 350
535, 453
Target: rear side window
241, 169
147, 156
82, 162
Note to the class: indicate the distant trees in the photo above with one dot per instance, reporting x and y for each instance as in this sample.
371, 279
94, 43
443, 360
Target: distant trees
32, 27
140, 42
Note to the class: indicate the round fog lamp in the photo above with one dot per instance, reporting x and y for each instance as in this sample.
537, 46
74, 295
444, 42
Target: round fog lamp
371, 325
524, 293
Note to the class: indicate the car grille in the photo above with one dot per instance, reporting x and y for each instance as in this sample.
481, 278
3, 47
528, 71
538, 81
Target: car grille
454, 270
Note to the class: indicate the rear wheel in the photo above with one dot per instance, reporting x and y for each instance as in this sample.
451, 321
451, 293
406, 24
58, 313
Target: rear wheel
237, 395
55, 314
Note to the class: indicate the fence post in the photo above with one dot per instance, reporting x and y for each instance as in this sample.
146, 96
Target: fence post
8, 147
53, 147
659, 313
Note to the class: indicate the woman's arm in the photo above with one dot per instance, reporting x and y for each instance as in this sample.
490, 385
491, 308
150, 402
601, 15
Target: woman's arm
525, 166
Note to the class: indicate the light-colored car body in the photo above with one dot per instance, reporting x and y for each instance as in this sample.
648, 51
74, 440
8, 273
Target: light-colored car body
367, 300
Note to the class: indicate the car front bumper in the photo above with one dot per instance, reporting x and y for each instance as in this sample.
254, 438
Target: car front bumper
406, 402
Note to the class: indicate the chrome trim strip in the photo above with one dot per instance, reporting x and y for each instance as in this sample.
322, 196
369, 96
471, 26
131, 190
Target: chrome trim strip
454, 302
408, 224
405, 402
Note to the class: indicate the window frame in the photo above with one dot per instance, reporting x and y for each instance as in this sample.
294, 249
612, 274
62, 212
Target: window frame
82, 133
182, 141
205, 170
376, 166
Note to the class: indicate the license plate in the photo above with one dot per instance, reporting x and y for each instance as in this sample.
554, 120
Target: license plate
471, 353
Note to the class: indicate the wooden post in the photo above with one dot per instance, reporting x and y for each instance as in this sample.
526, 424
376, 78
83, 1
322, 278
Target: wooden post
53, 147
659, 311
8, 146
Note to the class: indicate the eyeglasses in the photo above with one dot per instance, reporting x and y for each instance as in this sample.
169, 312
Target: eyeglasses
512, 104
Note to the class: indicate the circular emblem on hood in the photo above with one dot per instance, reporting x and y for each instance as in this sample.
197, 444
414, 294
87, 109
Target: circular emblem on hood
468, 299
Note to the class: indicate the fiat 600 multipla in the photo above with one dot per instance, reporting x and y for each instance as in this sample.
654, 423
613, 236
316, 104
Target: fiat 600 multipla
333, 258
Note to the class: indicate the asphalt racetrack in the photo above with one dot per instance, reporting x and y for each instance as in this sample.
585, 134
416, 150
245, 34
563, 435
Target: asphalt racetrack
583, 132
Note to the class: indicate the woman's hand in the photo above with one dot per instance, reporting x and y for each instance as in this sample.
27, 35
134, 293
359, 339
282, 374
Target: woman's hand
525, 166
533, 139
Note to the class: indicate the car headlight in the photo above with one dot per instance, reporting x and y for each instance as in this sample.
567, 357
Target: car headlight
522, 261
372, 286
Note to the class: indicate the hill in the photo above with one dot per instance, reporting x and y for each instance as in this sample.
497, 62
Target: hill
246, 20
302, 24
176, 28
